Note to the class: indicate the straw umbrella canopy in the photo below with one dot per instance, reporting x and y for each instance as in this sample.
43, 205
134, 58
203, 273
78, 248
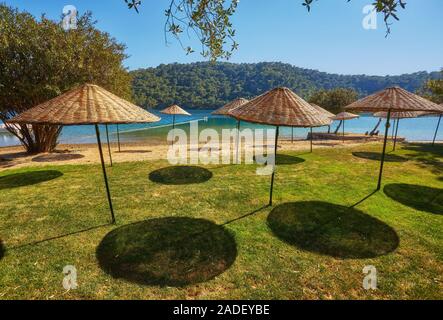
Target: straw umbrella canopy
397, 116
321, 110
87, 105
394, 99
225, 111
280, 107
343, 116
175, 110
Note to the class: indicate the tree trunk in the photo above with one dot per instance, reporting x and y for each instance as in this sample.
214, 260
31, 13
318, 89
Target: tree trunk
376, 127
36, 138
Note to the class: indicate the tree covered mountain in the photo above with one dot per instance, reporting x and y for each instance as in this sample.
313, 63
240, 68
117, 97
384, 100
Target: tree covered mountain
206, 85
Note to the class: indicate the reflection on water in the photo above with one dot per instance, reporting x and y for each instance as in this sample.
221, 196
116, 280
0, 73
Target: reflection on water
154, 133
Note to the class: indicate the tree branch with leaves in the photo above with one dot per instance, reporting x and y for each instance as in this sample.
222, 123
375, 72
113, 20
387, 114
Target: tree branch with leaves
210, 22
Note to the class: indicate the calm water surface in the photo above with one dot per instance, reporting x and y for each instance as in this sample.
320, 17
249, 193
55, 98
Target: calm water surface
421, 129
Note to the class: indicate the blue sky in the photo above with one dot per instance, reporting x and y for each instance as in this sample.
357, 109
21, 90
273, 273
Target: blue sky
330, 38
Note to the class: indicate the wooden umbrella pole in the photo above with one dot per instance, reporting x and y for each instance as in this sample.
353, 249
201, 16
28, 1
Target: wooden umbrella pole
396, 132
275, 165
238, 141
436, 130
311, 139
384, 150
109, 146
292, 135
173, 126
343, 131
118, 139
108, 193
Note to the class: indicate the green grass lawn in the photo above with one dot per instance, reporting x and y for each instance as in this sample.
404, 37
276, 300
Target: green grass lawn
205, 233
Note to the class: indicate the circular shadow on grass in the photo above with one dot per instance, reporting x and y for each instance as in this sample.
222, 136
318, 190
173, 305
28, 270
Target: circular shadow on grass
415, 196
179, 175
51, 157
175, 251
377, 156
17, 180
284, 159
332, 230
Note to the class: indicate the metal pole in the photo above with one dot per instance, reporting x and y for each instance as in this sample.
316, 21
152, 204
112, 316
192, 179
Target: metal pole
118, 139
311, 139
275, 165
396, 132
109, 147
108, 193
292, 135
238, 141
436, 130
384, 150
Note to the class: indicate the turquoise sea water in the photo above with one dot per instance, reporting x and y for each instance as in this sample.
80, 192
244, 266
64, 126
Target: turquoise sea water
418, 129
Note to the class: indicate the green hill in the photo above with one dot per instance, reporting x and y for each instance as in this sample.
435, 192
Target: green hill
205, 85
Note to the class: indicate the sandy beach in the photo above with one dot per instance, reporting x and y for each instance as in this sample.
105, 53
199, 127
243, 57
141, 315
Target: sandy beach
65, 154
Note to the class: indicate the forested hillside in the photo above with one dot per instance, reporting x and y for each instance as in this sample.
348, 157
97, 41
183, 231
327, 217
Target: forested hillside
205, 85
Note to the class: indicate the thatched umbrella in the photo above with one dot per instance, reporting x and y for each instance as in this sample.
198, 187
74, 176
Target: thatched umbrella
87, 105
174, 110
323, 111
280, 107
391, 100
343, 116
397, 116
225, 111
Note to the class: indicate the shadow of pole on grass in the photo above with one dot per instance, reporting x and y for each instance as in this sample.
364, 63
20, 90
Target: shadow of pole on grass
180, 175
172, 251
363, 199
17, 180
418, 197
2, 250
33, 243
332, 230
245, 215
